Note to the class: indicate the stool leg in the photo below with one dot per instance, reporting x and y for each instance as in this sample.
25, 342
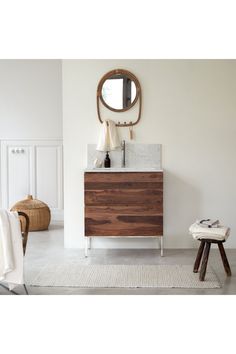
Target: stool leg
199, 257
204, 261
224, 258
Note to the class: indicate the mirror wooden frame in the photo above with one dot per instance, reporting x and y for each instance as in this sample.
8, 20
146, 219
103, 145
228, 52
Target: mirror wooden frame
137, 97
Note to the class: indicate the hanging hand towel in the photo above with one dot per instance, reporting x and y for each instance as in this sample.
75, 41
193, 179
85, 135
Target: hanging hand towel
108, 139
113, 135
11, 249
103, 142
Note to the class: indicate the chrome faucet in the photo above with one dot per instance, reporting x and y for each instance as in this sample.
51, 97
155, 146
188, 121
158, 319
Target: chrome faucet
123, 153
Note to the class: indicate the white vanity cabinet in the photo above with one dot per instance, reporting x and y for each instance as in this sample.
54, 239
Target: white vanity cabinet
32, 167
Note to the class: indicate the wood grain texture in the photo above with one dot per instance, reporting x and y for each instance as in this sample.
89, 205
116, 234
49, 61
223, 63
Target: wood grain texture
127, 185
123, 196
116, 225
123, 177
138, 210
124, 204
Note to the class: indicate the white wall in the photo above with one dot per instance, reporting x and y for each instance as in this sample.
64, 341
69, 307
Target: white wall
30, 99
189, 106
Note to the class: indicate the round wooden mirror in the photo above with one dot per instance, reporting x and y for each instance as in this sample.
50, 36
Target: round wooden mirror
119, 90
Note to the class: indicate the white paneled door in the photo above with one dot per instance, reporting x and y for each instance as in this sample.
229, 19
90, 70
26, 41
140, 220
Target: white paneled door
32, 167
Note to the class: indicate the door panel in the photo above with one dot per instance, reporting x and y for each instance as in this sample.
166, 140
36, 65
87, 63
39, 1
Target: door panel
19, 173
47, 175
32, 167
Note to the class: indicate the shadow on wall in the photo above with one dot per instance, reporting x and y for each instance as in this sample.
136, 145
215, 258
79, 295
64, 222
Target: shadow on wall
182, 206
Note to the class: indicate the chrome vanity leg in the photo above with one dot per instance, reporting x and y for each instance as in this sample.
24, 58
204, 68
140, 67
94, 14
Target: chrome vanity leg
89, 243
162, 246
86, 247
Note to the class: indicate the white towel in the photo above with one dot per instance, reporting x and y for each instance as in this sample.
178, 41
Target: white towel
11, 249
113, 135
216, 233
109, 138
6, 248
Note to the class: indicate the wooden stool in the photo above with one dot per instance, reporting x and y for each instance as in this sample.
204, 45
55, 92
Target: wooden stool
206, 246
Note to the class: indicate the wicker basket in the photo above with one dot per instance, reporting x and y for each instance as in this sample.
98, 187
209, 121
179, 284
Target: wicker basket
37, 211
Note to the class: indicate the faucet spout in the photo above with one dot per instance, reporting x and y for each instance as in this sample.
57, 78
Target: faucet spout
123, 153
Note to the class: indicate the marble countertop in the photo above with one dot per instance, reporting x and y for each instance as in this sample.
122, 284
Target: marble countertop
138, 158
124, 169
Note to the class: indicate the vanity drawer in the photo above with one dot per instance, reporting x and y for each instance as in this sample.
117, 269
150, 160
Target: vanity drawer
138, 210
123, 196
123, 221
123, 188
122, 177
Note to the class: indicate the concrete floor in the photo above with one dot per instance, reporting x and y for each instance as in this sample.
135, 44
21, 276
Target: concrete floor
47, 246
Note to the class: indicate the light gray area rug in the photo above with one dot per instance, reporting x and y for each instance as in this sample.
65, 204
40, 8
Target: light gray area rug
73, 274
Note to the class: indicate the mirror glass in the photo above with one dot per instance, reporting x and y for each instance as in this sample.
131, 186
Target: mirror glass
119, 91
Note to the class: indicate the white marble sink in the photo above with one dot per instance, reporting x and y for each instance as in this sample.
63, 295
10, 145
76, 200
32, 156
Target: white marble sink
123, 169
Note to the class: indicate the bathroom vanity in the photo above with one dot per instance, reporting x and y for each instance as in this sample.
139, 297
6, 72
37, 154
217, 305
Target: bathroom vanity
123, 203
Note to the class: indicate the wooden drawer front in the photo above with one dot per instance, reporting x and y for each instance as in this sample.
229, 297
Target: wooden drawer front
122, 177
123, 221
124, 204
138, 210
123, 188
123, 196
125, 185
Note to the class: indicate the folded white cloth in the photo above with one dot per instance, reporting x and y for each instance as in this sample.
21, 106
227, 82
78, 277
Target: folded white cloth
217, 233
11, 249
109, 138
